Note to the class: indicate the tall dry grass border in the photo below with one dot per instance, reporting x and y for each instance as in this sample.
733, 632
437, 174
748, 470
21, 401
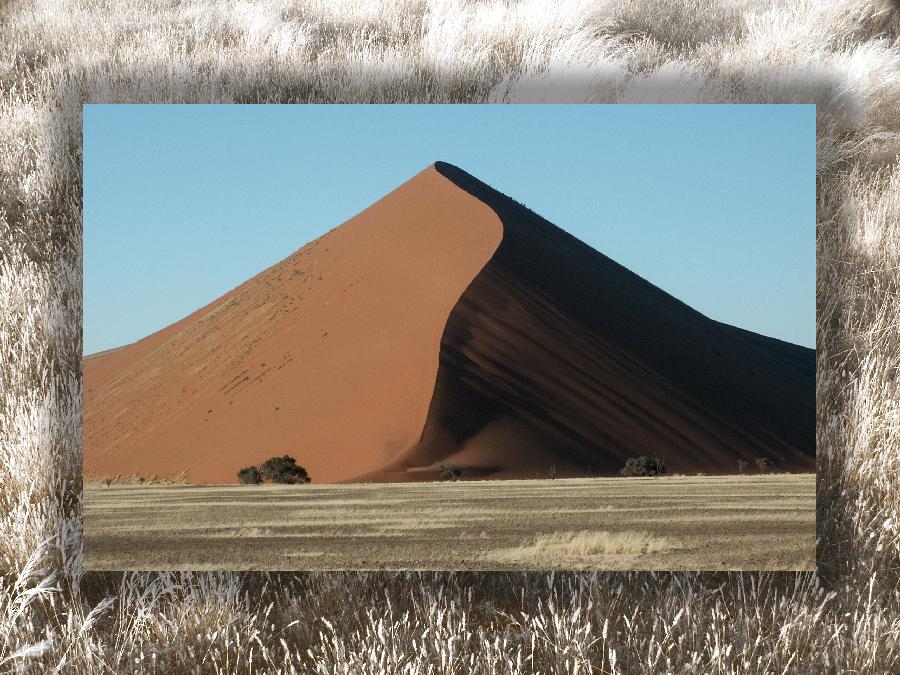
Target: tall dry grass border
842, 55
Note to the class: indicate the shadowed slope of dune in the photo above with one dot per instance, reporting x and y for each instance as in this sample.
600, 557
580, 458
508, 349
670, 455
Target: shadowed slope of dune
329, 356
557, 356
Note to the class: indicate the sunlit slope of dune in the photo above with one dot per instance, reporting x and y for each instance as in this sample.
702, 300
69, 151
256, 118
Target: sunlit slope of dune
557, 358
329, 356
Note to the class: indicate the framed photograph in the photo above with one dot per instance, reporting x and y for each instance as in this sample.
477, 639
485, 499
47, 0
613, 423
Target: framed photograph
344, 352
299, 376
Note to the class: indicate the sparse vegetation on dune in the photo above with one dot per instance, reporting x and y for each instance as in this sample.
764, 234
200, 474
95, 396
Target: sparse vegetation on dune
448, 470
644, 466
249, 476
841, 55
284, 470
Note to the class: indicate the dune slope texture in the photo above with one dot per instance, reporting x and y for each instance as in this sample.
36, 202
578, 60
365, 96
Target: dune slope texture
447, 322
329, 356
557, 358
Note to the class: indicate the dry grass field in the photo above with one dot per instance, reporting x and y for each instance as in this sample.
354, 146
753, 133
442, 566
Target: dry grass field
842, 55
669, 523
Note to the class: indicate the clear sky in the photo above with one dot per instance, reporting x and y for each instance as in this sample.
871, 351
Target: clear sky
713, 204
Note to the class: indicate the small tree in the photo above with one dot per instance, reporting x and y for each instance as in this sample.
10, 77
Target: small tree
449, 470
643, 466
742, 466
250, 476
283, 470
141, 480
762, 464
552, 470
108, 481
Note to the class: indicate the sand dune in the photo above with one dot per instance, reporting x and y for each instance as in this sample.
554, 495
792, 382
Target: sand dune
555, 353
329, 356
447, 321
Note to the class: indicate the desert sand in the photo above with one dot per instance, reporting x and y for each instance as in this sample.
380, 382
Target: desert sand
447, 322
329, 356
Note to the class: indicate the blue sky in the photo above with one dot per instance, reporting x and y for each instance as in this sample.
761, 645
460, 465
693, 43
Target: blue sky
714, 204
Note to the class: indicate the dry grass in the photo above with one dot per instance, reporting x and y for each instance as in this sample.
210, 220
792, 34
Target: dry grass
841, 55
585, 544
720, 523
134, 479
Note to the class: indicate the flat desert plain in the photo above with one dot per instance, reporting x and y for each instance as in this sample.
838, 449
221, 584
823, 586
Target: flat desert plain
666, 523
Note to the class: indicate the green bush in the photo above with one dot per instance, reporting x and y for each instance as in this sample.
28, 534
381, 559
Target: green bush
250, 476
283, 470
644, 466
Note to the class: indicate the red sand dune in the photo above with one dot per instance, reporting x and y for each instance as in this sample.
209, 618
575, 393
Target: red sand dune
446, 321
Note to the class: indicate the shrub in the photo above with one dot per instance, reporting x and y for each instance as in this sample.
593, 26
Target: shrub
763, 463
643, 466
284, 470
449, 470
250, 476
742, 466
